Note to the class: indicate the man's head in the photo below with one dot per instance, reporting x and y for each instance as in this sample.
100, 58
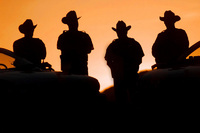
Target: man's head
71, 20
27, 28
121, 29
170, 19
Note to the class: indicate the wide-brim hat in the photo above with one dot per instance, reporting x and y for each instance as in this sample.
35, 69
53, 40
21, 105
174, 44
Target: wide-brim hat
27, 26
70, 17
170, 16
121, 26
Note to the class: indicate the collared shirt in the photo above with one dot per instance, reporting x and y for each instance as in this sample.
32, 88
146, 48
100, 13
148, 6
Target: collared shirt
124, 56
32, 49
170, 45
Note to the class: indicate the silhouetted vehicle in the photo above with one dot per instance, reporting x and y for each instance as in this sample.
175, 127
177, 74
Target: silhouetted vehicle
30, 94
20, 75
172, 85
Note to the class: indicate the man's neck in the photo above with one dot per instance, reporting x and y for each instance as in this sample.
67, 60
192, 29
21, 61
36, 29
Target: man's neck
73, 29
122, 38
26, 36
172, 27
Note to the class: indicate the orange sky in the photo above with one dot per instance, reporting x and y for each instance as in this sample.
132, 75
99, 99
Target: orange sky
98, 16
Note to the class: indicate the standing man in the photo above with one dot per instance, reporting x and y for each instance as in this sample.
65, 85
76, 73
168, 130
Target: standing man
32, 49
171, 43
75, 46
123, 56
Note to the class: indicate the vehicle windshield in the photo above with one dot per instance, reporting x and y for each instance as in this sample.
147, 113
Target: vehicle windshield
6, 61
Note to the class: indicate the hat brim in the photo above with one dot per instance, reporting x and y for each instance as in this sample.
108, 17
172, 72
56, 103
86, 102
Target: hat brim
175, 18
23, 29
66, 20
127, 28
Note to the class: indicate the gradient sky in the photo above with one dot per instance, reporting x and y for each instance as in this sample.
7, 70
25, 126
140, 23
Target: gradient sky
98, 17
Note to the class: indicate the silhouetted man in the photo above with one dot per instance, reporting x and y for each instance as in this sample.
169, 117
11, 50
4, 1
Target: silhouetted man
75, 46
123, 56
171, 43
32, 49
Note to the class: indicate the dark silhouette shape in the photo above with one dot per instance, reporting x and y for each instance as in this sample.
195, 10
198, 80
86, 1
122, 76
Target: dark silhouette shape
75, 46
171, 43
123, 56
50, 102
109, 93
32, 49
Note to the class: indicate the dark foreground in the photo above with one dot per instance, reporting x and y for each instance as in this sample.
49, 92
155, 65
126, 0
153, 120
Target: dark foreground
65, 114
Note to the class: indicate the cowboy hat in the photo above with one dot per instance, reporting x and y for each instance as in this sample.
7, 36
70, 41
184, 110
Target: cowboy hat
121, 26
70, 17
170, 16
27, 26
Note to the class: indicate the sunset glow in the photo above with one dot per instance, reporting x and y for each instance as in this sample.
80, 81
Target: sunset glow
97, 19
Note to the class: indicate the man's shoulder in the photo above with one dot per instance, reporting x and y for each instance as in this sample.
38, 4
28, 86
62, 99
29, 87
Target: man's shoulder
113, 43
64, 32
162, 32
132, 41
181, 31
36, 39
63, 35
115, 40
175, 30
128, 40
83, 33
19, 42
68, 33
